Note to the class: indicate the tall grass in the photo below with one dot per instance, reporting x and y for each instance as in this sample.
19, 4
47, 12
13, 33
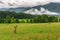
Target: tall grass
28, 31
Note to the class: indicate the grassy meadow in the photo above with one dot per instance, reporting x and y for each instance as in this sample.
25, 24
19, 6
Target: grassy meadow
30, 31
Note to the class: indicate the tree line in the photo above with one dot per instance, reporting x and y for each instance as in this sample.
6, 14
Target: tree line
13, 17
9, 19
45, 18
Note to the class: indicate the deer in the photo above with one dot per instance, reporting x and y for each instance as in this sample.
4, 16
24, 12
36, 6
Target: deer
15, 28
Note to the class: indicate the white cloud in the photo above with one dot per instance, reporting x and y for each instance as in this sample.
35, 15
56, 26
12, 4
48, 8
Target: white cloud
41, 11
24, 3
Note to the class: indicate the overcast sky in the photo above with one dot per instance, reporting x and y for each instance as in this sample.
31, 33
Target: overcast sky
24, 3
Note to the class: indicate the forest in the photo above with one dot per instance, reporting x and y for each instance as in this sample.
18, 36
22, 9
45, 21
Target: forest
16, 17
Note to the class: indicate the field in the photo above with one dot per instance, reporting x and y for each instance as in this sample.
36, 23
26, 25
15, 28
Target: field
30, 31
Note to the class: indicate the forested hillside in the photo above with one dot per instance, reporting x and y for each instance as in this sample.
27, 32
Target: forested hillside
19, 15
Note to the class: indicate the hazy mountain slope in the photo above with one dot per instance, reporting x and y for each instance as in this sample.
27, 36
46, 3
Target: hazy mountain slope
50, 9
19, 9
53, 7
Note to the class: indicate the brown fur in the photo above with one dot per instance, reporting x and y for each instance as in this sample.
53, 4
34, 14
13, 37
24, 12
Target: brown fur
15, 28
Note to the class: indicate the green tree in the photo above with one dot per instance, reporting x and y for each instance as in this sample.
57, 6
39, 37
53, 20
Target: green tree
17, 20
13, 20
7, 19
52, 19
0, 19
31, 20
27, 20
41, 19
44, 18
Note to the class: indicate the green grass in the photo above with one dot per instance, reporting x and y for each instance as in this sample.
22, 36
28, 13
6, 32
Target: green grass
30, 31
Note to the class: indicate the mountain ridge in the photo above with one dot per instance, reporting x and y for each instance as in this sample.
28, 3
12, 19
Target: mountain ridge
53, 7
